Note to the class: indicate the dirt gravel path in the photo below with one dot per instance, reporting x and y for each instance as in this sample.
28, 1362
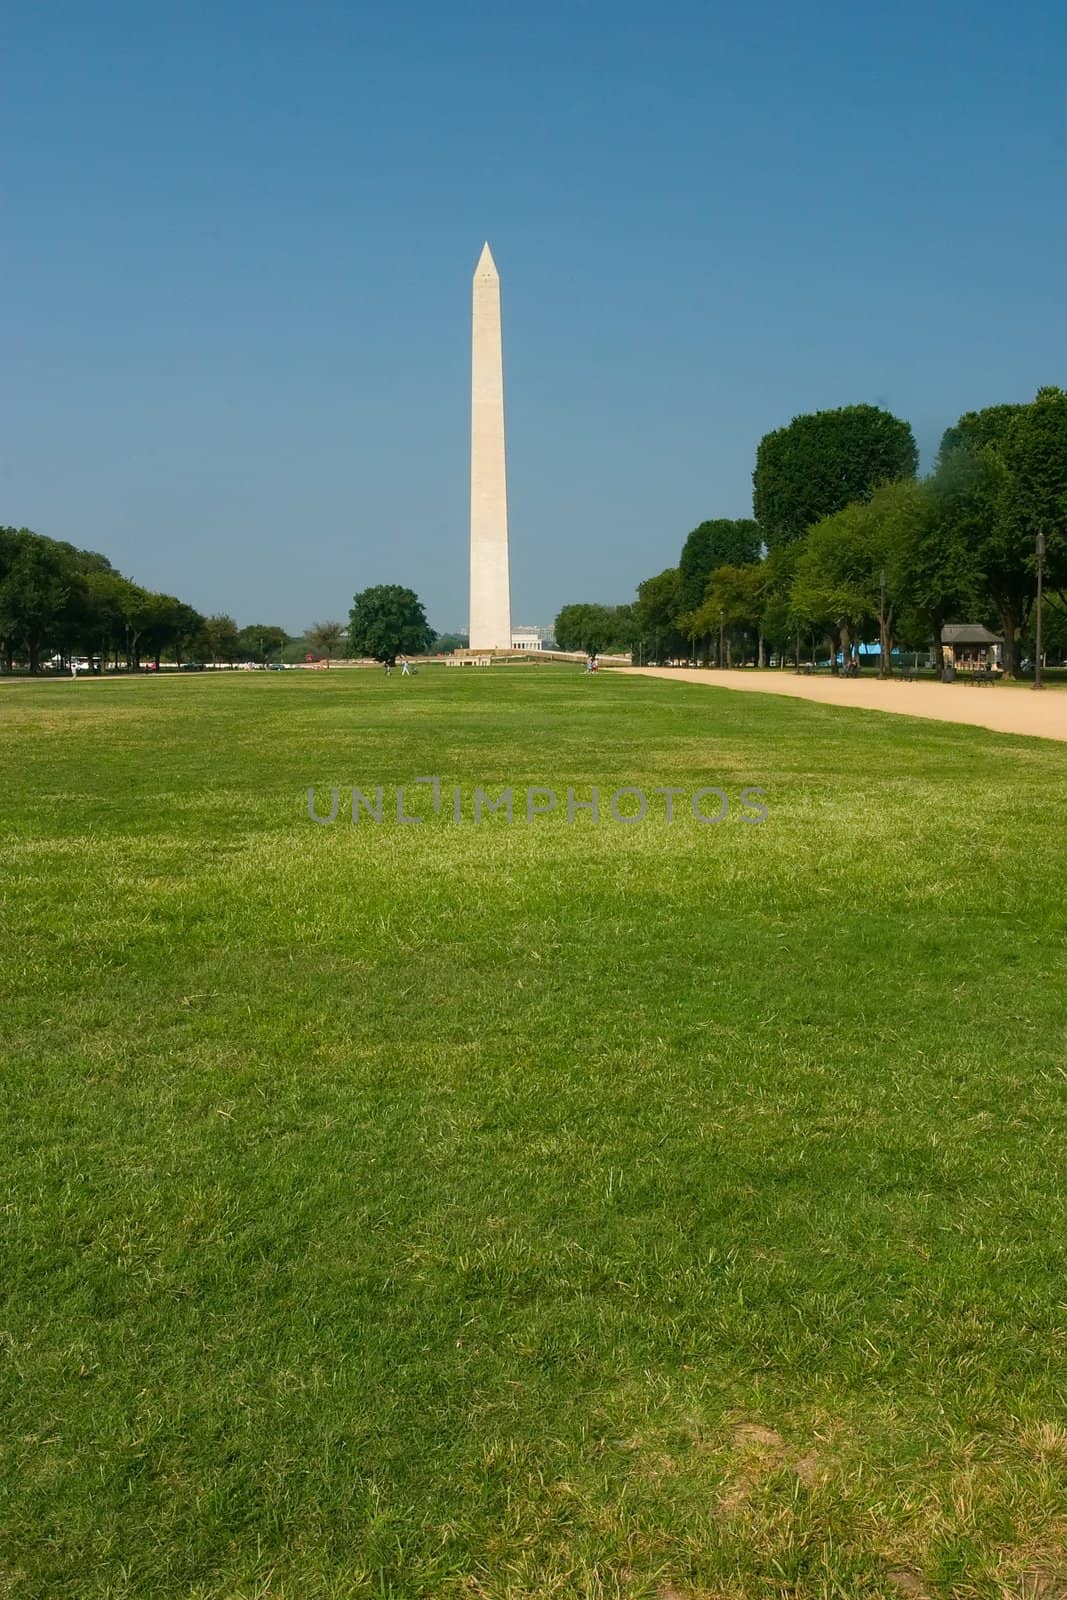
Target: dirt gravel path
1002, 707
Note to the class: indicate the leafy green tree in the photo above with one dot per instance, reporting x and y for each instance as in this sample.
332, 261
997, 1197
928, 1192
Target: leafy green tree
822, 462
104, 630
145, 616
261, 640
9, 545
736, 597
326, 638
836, 583
930, 570
81, 561
10, 540
972, 489
656, 615
779, 626
70, 601
220, 638
1053, 633
447, 642
595, 628
713, 544
34, 594
1001, 478
164, 614
386, 621
185, 625
977, 430
1034, 451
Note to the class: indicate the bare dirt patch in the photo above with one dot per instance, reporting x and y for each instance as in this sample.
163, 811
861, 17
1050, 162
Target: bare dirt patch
907, 1584
754, 1433
1040, 1586
764, 1452
807, 1470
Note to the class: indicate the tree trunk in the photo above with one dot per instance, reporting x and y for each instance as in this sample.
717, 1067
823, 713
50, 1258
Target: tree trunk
846, 646
1010, 626
761, 650
885, 643
935, 622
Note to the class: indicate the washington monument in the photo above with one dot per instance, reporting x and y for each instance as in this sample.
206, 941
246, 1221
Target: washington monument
490, 617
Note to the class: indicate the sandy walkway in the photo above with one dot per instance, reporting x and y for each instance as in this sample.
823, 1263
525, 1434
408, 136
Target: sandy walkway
1002, 707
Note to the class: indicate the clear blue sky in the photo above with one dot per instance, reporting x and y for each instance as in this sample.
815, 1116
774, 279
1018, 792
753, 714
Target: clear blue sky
238, 239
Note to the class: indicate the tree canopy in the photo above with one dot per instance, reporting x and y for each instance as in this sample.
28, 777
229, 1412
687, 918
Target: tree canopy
733, 603
822, 462
595, 628
57, 600
259, 641
36, 588
1001, 479
656, 614
326, 638
387, 621
720, 543
855, 547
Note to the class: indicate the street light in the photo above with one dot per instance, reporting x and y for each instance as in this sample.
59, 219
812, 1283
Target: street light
720, 638
1037, 684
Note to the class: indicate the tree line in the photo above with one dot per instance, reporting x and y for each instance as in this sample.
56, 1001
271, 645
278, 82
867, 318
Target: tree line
848, 545
57, 601
60, 603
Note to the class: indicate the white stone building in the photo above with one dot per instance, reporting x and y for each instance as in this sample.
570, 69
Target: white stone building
527, 638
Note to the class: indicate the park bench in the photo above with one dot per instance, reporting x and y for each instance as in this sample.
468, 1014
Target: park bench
981, 677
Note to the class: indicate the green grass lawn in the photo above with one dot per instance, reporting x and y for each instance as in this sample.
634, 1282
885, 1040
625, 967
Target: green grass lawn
662, 1210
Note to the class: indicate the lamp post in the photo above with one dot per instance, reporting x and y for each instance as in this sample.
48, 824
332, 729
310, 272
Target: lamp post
1037, 684
881, 623
720, 638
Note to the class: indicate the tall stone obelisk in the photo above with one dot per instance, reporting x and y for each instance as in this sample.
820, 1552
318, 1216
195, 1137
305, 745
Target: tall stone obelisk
490, 618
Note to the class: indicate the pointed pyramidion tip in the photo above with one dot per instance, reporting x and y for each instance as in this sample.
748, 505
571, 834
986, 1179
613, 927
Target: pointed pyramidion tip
486, 267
